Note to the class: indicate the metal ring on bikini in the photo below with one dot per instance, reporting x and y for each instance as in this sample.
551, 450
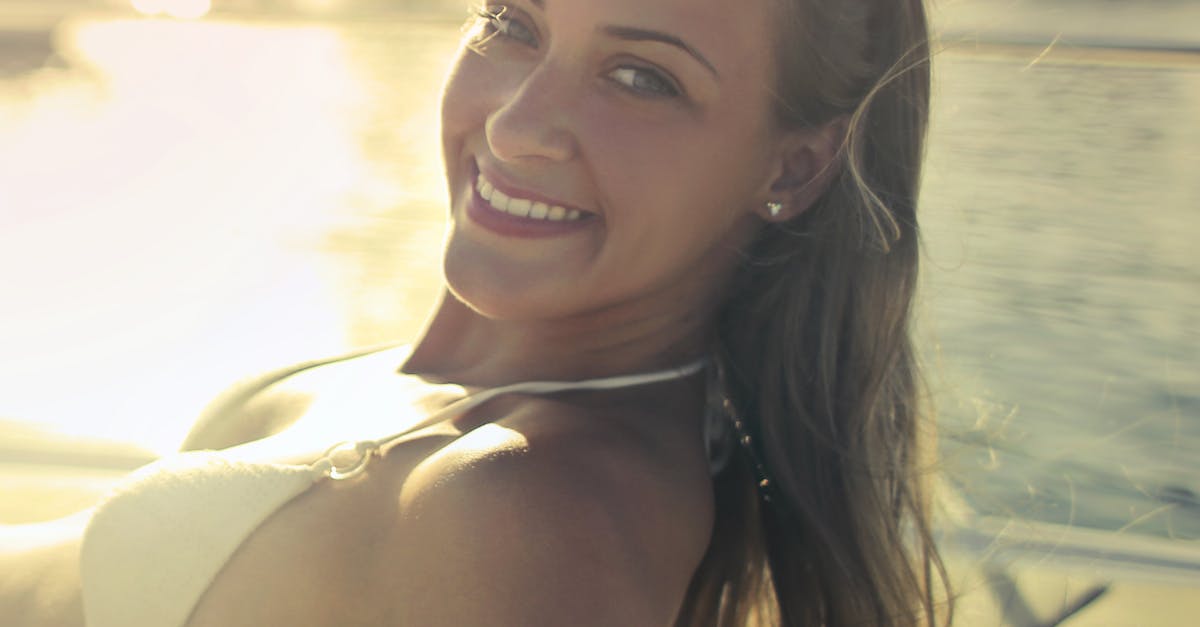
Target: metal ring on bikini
342, 466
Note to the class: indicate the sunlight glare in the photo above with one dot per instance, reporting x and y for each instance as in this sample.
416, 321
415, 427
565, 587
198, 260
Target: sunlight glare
165, 230
148, 7
318, 6
181, 9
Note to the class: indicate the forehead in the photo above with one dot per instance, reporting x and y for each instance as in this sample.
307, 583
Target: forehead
732, 34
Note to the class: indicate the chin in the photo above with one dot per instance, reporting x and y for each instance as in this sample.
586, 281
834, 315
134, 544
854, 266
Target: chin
484, 302
496, 290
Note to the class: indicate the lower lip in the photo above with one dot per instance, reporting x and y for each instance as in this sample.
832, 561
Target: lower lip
484, 214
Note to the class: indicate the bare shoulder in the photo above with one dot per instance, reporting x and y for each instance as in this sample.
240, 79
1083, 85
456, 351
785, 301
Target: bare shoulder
550, 516
262, 405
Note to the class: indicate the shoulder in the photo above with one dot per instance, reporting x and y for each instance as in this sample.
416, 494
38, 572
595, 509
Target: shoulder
550, 516
264, 404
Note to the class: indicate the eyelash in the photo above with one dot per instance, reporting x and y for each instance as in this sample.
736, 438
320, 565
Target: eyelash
497, 24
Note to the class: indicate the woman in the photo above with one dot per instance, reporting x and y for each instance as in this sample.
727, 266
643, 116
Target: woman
699, 219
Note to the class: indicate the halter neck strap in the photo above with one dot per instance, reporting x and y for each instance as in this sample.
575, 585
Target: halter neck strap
349, 459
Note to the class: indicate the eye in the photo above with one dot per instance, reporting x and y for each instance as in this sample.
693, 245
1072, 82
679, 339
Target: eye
644, 81
499, 21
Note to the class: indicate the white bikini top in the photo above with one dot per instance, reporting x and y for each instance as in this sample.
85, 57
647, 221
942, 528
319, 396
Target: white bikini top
156, 543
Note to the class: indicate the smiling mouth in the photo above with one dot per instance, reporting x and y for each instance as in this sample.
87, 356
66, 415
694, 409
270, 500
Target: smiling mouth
523, 207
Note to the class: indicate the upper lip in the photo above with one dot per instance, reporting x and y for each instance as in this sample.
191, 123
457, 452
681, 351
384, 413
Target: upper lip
500, 182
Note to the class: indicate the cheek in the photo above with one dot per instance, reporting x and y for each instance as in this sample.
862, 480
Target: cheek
675, 206
459, 95
473, 88
466, 95
674, 163
634, 157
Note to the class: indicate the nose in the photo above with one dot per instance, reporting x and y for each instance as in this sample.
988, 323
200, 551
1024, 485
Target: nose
534, 122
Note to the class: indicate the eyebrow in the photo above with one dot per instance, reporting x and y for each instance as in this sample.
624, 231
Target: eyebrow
629, 33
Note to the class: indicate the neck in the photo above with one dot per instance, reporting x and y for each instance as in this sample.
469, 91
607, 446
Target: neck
463, 346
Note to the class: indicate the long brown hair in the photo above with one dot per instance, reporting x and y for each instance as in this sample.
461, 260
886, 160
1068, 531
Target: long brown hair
815, 356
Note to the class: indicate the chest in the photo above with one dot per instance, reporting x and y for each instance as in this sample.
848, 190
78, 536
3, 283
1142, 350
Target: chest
325, 557
315, 560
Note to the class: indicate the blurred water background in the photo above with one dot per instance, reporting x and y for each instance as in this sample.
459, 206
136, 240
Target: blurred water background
189, 198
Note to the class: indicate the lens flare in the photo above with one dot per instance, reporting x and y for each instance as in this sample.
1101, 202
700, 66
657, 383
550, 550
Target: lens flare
181, 9
148, 7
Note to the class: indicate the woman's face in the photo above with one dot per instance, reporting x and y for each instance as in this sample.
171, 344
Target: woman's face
605, 154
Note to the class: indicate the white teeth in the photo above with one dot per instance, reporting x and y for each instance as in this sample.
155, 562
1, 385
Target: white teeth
519, 206
499, 200
522, 207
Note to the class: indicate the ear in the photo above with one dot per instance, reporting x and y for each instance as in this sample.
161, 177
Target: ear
807, 163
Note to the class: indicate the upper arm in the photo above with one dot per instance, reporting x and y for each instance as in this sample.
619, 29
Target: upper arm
539, 537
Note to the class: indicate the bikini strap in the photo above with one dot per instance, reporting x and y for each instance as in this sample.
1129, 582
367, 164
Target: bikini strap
349, 459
